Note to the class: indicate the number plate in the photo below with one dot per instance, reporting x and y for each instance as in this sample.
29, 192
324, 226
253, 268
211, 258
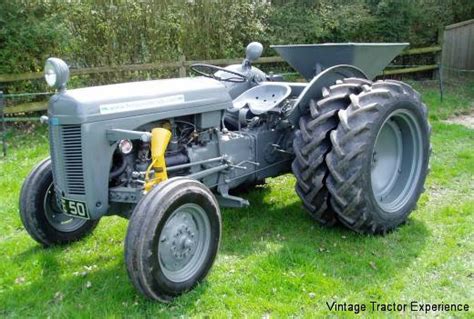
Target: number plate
74, 208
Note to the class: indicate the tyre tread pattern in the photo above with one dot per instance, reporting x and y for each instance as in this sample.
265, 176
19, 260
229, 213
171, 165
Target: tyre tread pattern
350, 148
312, 144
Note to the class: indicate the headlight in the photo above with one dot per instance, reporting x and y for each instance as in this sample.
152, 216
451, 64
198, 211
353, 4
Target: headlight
125, 146
56, 73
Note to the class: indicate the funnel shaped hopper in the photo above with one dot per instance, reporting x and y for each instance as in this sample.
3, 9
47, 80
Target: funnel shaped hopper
310, 59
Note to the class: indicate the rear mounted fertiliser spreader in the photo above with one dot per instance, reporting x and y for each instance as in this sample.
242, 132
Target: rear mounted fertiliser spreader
166, 153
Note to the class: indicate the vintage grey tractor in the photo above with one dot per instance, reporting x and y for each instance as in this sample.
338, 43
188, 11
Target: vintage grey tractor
166, 154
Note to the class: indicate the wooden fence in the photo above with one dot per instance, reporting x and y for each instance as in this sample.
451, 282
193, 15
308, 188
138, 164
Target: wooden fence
182, 65
458, 47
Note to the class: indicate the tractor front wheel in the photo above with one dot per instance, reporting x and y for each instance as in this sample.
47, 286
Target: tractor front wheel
173, 238
40, 212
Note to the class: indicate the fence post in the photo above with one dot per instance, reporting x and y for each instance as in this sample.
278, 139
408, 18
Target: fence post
182, 67
439, 61
438, 55
2, 113
440, 79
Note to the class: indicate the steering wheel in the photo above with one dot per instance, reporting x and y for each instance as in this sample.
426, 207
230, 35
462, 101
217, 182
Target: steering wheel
209, 70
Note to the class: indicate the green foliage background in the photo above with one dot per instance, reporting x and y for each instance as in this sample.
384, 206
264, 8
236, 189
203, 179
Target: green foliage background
91, 33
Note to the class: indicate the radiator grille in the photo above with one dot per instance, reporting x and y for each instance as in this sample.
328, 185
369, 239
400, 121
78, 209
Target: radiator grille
72, 154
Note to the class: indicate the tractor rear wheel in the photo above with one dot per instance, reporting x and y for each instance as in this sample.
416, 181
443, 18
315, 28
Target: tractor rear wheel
379, 157
312, 144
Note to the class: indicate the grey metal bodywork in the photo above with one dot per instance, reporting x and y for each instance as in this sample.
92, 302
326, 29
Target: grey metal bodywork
82, 107
322, 80
86, 125
90, 104
311, 59
97, 110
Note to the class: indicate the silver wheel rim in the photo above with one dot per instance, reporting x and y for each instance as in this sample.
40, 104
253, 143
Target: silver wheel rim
56, 218
396, 160
184, 242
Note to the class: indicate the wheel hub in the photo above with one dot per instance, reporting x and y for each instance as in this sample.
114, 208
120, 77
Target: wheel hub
386, 159
396, 160
184, 241
182, 244
55, 217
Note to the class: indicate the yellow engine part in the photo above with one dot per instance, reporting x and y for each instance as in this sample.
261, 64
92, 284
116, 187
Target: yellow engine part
160, 138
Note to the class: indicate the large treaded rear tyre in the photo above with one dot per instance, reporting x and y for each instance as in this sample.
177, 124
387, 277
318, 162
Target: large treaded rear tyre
312, 143
40, 214
379, 157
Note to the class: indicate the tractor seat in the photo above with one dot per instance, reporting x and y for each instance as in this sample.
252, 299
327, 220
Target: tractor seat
262, 98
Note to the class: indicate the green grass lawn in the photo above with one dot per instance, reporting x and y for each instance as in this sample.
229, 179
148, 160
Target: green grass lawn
274, 260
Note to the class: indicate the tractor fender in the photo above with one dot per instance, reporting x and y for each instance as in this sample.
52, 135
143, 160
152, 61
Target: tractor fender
314, 89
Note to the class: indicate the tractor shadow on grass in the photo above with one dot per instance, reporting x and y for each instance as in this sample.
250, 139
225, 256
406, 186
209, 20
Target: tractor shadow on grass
287, 240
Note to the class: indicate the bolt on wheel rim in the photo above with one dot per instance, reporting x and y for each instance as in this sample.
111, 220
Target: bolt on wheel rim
396, 160
184, 242
56, 218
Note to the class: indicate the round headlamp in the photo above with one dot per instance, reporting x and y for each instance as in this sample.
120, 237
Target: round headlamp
125, 146
56, 73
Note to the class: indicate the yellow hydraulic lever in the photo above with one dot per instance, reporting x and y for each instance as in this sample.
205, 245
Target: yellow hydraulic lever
160, 138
